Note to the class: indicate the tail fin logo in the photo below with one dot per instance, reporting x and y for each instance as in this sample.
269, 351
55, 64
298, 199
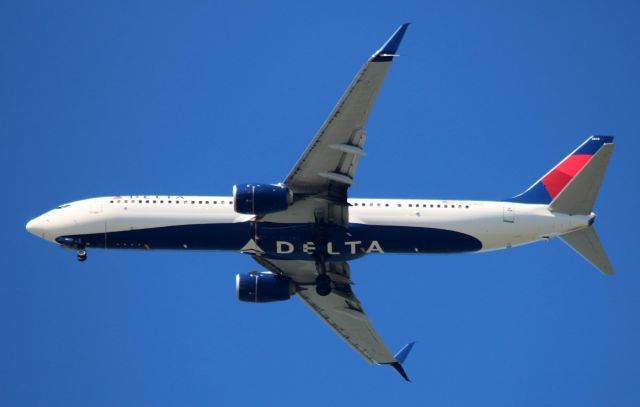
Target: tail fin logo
553, 182
559, 177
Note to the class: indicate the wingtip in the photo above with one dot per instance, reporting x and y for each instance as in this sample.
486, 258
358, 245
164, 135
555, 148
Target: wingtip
398, 367
402, 354
389, 49
400, 357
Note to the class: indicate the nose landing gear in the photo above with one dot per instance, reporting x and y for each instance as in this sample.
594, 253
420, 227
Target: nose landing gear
81, 255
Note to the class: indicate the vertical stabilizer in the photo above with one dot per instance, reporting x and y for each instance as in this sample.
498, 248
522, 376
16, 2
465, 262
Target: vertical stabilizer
579, 195
586, 243
553, 183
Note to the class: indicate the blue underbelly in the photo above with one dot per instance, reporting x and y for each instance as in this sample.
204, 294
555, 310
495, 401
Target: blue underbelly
290, 241
405, 239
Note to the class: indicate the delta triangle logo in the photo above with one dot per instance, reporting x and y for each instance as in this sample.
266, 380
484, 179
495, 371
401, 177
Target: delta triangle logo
251, 247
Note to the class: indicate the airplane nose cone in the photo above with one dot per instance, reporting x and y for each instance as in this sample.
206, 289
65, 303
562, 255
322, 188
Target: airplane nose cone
36, 226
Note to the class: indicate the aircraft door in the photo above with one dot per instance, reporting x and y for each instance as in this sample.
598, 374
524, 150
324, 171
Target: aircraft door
507, 214
95, 208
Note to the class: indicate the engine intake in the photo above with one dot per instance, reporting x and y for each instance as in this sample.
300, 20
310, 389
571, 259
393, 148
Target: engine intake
261, 199
263, 287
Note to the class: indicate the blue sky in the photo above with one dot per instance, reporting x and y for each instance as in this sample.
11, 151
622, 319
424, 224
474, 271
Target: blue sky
135, 97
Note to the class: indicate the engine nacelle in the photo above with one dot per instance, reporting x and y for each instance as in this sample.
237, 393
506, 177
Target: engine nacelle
261, 199
263, 287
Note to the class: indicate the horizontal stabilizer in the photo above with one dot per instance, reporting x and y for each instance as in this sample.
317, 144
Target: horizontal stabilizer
586, 243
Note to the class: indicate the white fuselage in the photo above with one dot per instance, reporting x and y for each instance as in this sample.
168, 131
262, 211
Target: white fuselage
494, 224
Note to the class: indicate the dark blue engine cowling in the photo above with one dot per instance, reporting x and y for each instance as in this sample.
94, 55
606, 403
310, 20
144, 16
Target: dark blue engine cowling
263, 287
260, 199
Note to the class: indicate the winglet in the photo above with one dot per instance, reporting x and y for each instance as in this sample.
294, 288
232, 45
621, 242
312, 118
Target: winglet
389, 49
400, 358
404, 352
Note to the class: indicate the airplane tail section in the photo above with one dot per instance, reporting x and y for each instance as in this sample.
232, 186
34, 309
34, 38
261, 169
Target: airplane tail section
585, 242
572, 186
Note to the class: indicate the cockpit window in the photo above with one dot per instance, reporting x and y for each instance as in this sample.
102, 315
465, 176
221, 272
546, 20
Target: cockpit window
63, 206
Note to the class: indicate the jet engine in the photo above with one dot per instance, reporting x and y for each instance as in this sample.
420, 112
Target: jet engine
261, 199
263, 287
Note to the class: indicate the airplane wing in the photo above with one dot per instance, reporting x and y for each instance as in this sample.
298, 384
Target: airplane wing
341, 309
321, 177
328, 164
319, 181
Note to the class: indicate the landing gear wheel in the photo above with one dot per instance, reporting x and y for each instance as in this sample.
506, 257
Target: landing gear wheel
81, 255
323, 285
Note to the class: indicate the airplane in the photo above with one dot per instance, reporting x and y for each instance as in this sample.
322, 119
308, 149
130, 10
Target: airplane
306, 229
